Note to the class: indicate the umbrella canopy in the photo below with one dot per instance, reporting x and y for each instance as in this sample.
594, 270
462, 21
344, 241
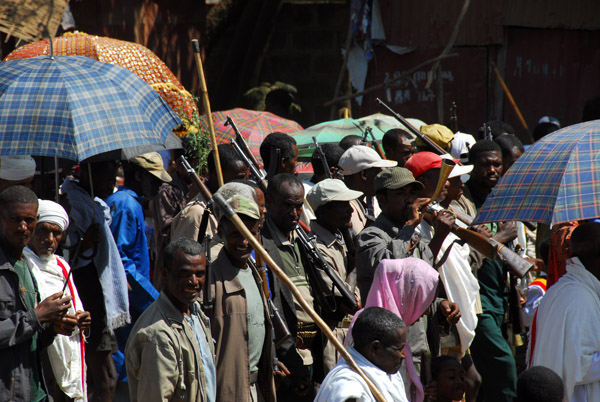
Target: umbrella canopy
132, 56
75, 107
556, 180
382, 121
253, 125
331, 132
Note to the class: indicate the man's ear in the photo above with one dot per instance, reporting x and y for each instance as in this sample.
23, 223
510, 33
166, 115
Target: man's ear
375, 347
363, 175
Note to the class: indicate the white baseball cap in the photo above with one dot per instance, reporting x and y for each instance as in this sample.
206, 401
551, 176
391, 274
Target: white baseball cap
330, 190
360, 157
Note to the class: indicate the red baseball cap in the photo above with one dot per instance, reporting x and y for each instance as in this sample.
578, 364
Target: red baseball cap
421, 162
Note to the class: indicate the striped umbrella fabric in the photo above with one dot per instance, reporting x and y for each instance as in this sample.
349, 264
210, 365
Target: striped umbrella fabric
75, 107
253, 125
556, 180
129, 55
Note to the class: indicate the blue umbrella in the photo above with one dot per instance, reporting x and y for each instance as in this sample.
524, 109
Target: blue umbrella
556, 180
75, 107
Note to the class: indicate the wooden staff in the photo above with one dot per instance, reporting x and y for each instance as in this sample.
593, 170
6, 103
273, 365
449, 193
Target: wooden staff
241, 227
206, 103
510, 97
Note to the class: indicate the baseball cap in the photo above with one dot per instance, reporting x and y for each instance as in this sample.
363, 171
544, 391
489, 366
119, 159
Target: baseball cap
437, 133
359, 157
244, 206
330, 190
421, 162
394, 178
549, 119
152, 162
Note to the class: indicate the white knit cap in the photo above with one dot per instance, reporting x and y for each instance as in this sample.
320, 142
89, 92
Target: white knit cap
51, 212
17, 167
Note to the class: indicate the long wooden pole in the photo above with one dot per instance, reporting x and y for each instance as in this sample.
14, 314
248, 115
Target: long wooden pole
241, 227
207, 110
509, 97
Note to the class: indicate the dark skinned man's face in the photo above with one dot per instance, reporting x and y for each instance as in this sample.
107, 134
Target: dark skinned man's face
487, 169
396, 204
285, 207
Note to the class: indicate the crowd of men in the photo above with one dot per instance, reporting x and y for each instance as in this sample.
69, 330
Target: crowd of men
154, 284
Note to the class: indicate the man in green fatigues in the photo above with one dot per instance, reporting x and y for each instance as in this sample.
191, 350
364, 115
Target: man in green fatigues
490, 350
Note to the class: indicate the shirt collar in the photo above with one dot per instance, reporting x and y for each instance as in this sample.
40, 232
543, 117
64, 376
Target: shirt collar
323, 234
279, 238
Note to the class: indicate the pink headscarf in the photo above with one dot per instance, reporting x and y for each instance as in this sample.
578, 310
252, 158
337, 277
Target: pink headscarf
406, 287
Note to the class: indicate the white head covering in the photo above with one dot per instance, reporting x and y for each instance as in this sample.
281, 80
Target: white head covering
17, 167
50, 211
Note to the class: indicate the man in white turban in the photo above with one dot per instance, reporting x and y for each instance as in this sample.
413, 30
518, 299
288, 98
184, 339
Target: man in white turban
66, 353
16, 170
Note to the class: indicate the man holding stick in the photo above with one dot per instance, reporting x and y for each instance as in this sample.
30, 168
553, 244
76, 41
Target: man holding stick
240, 319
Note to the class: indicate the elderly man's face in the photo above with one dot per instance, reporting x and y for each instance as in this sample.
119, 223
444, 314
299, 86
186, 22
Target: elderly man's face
184, 279
17, 223
46, 238
389, 357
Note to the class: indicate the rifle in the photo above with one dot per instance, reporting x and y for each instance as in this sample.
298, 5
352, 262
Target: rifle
254, 171
281, 332
368, 132
240, 141
435, 147
196, 179
490, 248
207, 300
318, 262
453, 117
322, 158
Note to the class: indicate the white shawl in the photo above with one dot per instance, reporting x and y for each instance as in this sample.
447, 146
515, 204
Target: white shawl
342, 383
459, 282
65, 353
567, 331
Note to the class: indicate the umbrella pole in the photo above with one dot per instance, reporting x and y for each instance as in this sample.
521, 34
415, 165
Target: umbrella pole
261, 253
206, 104
56, 178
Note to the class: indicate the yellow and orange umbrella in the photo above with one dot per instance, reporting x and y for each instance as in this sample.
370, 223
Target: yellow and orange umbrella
131, 56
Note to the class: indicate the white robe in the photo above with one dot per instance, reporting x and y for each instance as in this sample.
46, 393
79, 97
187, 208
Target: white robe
65, 352
459, 282
567, 332
342, 383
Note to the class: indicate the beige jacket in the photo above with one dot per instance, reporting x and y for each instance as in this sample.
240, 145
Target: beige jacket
162, 357
230, 331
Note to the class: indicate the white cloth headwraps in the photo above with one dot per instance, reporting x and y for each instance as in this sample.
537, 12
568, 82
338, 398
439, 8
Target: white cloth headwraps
17, 167
50, 211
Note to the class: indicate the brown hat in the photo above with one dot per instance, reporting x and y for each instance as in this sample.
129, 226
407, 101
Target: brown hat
152, 162
397, 177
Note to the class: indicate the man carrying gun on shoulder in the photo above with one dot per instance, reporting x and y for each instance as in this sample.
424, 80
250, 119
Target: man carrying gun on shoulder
330, 199
284, 199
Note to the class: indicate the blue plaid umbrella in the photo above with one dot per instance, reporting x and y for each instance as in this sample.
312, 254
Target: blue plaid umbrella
556, 180
75, 107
